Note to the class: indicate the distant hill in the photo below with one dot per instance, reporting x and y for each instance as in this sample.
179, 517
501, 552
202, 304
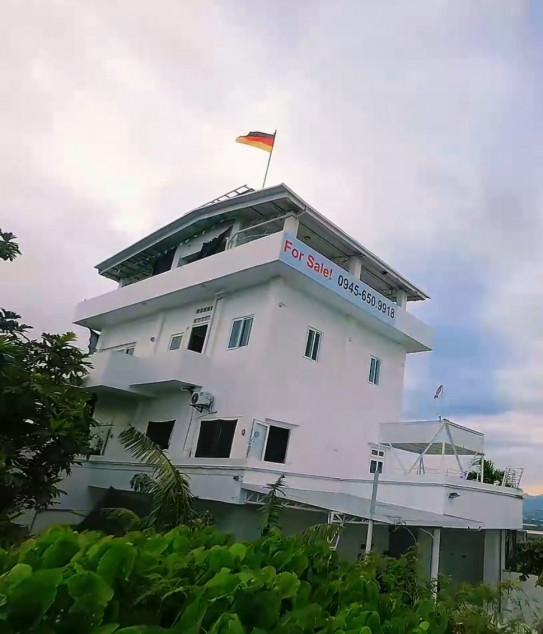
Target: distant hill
533, 508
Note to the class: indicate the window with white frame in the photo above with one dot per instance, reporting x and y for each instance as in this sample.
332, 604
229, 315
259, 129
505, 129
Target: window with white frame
176, 341
125, 348
377, 460
240, 333
269, 442
375, 370
313, 344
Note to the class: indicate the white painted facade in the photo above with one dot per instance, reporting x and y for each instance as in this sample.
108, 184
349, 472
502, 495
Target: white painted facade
289, 273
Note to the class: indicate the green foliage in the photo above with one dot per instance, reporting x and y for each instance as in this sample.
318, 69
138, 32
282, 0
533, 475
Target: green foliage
46, 417
167, 488
192, 581
528, 559
272, 505
9, 249
491, 474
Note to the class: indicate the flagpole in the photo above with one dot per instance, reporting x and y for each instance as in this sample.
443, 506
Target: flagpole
269, 159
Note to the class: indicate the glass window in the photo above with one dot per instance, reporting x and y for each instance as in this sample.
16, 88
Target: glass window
127, 348
376, 465
240, 333
159, 432
375, 370
215, 438
312, 344
176, 341
377, 459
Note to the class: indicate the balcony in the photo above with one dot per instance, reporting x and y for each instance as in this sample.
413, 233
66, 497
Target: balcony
251, 264
147, 376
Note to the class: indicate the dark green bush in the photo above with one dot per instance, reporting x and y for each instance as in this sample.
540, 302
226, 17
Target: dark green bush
198, 580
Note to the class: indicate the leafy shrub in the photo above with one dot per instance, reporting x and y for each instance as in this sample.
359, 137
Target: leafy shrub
198, 580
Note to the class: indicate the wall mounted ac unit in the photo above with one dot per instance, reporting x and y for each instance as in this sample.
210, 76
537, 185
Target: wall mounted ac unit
201, 400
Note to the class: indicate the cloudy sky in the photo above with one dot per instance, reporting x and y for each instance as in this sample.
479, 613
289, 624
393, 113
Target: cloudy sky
416, 126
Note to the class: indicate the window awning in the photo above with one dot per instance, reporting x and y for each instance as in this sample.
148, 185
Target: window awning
357, 507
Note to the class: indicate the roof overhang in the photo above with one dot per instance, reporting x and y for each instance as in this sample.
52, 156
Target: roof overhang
355, 508
433, 438
265, 204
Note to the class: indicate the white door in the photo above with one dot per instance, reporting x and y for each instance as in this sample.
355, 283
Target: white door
258, 440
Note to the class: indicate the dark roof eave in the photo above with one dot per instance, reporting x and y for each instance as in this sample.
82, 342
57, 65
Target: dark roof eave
272, 193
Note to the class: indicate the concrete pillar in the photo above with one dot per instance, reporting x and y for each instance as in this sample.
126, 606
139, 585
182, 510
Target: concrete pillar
401, 298
291, 225
355, 266
434, 564
492, 557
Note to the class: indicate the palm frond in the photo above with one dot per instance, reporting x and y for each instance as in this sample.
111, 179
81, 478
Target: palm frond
142, 483
272, 505
127, 519
169, 488
322, 532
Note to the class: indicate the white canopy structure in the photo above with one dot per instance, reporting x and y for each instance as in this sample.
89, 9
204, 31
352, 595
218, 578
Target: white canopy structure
433, 438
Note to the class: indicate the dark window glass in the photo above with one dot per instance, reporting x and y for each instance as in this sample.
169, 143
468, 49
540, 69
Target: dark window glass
312, 344
163, 263
376, 465
375, 370
215, 439
197, 338
276, 447
159, 432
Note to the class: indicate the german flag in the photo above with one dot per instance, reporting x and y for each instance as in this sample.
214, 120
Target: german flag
261, 140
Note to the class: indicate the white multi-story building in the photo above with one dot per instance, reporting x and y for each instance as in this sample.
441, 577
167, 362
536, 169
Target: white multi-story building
252, 338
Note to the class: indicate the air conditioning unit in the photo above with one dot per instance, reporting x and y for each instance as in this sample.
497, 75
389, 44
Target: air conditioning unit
201, 400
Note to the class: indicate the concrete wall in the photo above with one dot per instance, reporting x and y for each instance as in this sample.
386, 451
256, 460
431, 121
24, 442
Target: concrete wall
333, 409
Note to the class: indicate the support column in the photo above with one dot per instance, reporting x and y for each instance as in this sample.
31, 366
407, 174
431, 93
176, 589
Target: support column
369, 537
355, 266
291, 225
401, 298
434, 565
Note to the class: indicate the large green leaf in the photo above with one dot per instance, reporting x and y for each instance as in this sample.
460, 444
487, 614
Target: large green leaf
227, 624
16, 575
143, 629
117, 562
192, 617
30, 598
61, 551
286, 584
89, 586
238, 551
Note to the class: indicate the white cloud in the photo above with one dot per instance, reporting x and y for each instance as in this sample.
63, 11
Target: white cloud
412, 125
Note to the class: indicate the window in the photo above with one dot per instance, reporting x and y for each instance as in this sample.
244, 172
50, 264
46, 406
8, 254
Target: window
215, 438
99, 439
127, 348
197, 337
269, 442
240, 333
176, 341
159, 432
312, 344
377, 460
375, 370
276, 445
